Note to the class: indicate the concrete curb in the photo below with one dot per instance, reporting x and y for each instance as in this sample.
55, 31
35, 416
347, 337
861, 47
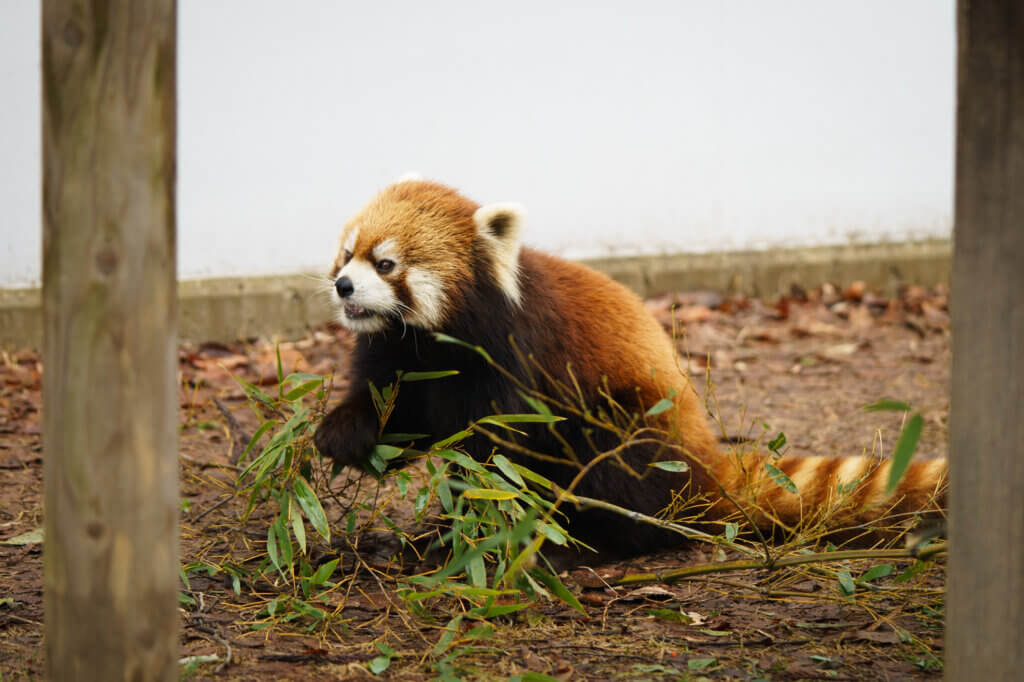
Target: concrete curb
287, 306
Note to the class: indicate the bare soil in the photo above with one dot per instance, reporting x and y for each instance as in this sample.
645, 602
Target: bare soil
805, 365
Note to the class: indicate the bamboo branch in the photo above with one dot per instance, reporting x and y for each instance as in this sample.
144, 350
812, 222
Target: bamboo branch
669, 577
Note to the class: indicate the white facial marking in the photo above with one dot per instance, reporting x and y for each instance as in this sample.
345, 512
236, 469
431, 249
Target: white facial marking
386, 250
370, 293
428, 296
350, 239
504, 246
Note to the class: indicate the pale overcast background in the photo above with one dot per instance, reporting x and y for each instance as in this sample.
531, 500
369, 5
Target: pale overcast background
648, 126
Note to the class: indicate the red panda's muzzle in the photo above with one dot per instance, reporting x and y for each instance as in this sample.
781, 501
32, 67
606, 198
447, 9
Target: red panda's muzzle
356, 312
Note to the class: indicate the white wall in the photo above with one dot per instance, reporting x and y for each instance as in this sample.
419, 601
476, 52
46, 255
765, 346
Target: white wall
629, 127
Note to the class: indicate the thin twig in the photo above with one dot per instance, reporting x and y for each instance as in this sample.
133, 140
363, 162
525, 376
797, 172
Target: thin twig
672, 576
239, 437
685, 531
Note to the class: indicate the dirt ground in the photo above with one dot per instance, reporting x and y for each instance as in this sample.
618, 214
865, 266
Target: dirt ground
805, 365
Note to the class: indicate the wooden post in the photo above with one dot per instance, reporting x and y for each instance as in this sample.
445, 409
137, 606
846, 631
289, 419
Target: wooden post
110, 307
985, 613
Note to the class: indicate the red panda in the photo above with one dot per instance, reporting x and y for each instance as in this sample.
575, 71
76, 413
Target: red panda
421, 258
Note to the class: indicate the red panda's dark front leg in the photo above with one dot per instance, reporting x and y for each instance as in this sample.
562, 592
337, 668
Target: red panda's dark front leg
348, 432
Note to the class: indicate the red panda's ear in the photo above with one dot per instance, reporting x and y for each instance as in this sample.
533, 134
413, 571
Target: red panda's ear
500, 221
498, 226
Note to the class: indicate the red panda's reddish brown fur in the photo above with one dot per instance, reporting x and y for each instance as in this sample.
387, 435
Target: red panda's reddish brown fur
421, 258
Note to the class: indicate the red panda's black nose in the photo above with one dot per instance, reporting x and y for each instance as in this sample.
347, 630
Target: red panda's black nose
344, 287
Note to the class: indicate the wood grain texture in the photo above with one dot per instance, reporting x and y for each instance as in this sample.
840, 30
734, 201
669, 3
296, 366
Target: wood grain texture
985, 617
109, 302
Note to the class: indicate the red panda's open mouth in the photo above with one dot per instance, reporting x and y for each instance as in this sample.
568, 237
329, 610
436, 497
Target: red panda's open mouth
354, 312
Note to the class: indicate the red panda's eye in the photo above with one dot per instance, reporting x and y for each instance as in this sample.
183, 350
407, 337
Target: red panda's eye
348, 255
385, 266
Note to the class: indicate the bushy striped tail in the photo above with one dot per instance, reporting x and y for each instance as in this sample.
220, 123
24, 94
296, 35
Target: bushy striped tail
833, 493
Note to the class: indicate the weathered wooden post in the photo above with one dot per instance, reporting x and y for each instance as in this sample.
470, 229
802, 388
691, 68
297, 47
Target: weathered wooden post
985, 615
109, 394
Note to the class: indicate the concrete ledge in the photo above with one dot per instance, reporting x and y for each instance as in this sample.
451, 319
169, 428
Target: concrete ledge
21, 318
226, 309
767, 274
287, 306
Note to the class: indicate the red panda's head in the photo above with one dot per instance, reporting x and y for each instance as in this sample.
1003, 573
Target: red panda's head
409, 255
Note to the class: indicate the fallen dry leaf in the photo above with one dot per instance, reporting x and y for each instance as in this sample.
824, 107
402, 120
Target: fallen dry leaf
654, 592
693, 313
854, 292
880, 637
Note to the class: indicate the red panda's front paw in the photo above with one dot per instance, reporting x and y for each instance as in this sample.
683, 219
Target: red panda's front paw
346, 435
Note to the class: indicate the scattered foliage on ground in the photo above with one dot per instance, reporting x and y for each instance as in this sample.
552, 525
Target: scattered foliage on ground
289, 566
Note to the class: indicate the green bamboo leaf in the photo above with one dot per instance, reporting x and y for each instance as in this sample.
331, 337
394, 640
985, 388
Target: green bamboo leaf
378, 664
511, 537
284, 542
502, 419
311, 506
555, 585
324, 572
507, 427
495, 610
476, 571
264, 427
427, 376
462, 459
446, 639
377, 463
444, 338
272, 546
422, 496
253, 391
308, 609
659, 407
913, 570
280, 369
905, 447
671, 615
402, 437
403, 479
846, 585
552, 532
303, 389
876, 572
489, 494
887, 405
506, 468
531, 476
299, 377
780, 478
387, 452
263, 462
378, 400
452, 439
415, 597
444, 493
298, 528
537, 405
677, 466
531, 676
